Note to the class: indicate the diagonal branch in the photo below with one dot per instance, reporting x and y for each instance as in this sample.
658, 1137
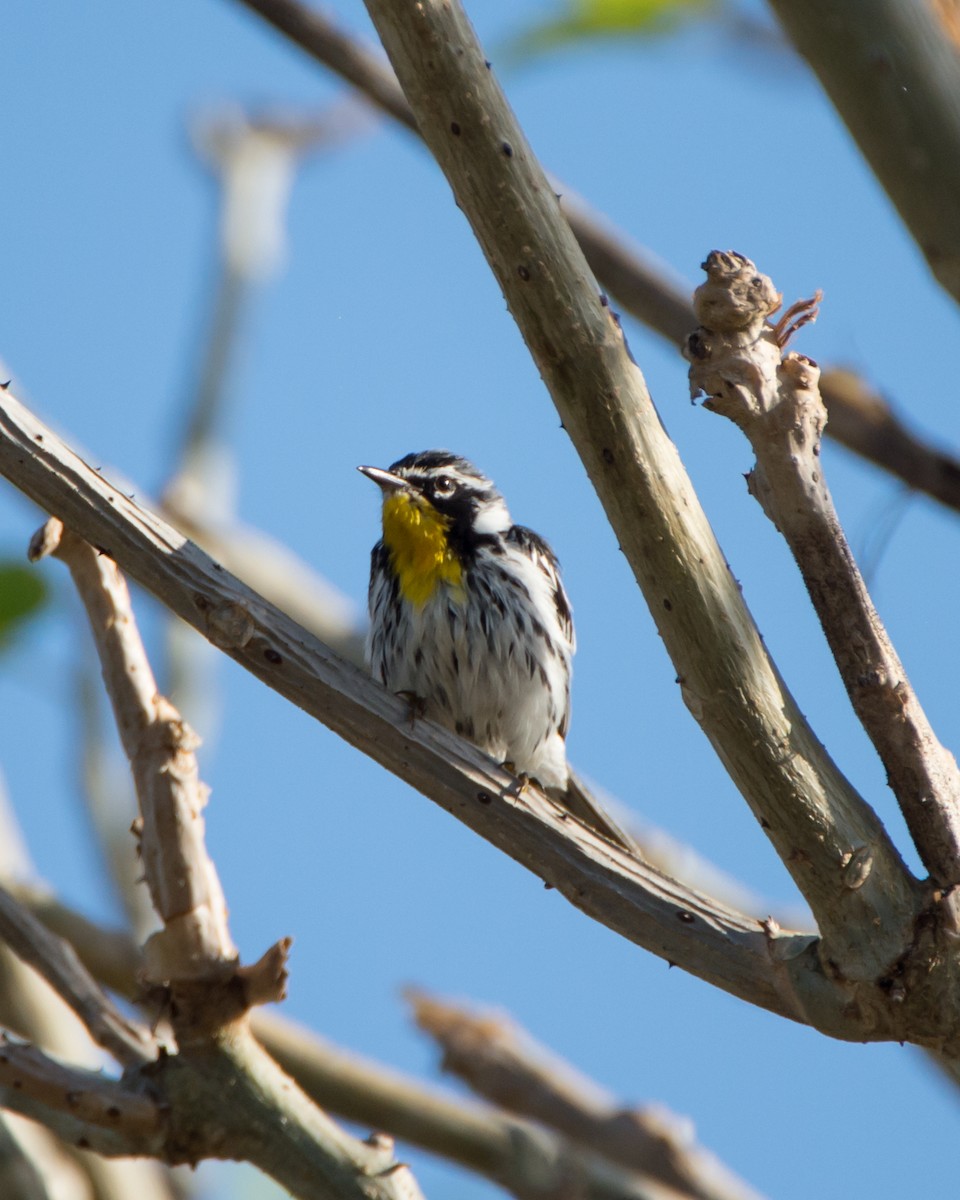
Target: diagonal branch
778, 971
737, 360
859, 419
502, 1063
55, 959
814, 818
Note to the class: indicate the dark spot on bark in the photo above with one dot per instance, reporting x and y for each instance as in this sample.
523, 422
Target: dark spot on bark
607, 456
668, 606
507, 149
523, 273
454, 128
484, 797
272, 656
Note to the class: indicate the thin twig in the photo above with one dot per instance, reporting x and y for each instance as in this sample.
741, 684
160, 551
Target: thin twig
129, 1042
502, 1063
634, 280
737, 360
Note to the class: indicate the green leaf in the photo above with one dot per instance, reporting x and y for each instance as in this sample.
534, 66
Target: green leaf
22, 594
581, 19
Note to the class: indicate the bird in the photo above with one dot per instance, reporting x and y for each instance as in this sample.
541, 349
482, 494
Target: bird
470, 621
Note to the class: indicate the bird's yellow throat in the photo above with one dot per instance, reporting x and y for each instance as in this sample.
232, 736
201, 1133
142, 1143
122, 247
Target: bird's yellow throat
415, 535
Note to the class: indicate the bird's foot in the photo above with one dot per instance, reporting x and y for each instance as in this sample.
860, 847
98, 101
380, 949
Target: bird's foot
523, 779
416, 706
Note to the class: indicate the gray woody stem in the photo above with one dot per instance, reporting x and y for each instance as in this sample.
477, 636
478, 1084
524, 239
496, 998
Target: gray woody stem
195, 942
501, 1062
737, 360
892, 70
223, 1096
777, 970
129, 1042
813, 816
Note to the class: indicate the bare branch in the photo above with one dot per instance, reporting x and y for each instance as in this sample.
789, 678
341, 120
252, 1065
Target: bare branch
892, 72
278, 574
734, 952
195, 942
863, 421
527, 1161
508, 1151
129, 1042
227, 1100
111, 1117
812, 815
502, 1063
642, 287
737, 360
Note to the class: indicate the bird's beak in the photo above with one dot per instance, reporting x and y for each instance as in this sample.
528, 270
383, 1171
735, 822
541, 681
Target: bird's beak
384, 480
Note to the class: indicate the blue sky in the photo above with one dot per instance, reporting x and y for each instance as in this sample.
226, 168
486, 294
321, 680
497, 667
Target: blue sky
387, 334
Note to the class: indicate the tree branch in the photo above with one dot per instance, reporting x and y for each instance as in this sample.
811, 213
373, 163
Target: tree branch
503, 1064
519, 1157
737, 359
813, 816
779, 971
859, 419
130, 1043
891, 70
83, 1107
195, 942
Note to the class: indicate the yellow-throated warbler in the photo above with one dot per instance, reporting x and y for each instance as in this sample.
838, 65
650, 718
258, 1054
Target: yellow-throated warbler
468, 615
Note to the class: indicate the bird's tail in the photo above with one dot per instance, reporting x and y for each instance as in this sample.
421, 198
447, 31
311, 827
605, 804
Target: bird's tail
578, 801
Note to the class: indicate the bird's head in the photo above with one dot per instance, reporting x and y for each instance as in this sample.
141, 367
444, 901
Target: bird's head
437, 509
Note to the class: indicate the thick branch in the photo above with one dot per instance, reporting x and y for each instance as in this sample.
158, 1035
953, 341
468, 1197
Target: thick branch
713, 941
737, 360
810, 812
262, 1117
892, 70
510, 1152
859, 419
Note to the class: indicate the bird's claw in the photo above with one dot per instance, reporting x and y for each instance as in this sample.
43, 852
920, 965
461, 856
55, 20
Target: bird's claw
416, 706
